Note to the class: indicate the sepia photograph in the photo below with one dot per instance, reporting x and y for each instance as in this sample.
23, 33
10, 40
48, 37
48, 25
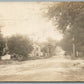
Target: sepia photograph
41, 41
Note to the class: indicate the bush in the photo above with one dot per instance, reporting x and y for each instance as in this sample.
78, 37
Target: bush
20, 46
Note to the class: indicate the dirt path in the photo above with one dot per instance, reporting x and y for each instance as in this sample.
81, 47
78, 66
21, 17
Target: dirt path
52, 69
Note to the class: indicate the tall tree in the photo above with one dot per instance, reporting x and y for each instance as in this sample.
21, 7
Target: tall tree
69, 18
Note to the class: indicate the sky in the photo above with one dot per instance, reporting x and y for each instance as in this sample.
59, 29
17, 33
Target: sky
26, 18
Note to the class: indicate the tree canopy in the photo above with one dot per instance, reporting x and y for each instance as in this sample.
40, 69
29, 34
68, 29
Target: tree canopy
66, 14
69, 18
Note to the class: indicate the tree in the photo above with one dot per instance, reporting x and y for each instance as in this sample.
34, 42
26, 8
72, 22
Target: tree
66, 44
69, 17
2, 41
49, 47
19, 46
2, 45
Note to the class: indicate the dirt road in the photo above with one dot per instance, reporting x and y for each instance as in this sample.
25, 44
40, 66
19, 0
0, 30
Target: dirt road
52, 69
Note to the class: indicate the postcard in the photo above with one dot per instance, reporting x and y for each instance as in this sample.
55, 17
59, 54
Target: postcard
41, 41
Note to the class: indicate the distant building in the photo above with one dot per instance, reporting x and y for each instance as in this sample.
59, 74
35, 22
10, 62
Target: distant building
36, 51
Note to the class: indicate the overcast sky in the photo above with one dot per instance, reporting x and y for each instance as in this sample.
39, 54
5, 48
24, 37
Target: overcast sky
26, 18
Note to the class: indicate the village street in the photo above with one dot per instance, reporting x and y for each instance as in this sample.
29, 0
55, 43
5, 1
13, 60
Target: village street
51, 69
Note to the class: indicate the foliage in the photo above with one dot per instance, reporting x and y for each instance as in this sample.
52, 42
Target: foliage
69, 18
66, 44
66, 14
19, 45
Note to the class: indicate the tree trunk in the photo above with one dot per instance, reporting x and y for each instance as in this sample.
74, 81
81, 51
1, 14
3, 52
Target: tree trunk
0, 58
74, 50
74, 47
77, 53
